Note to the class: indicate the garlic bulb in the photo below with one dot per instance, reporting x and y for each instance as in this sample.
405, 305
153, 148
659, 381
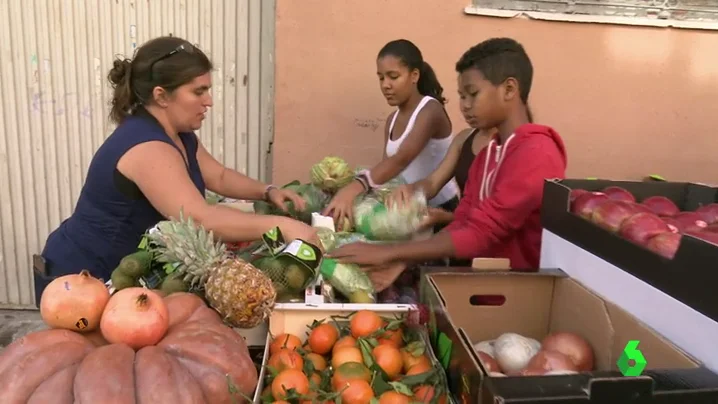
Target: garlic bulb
486, 347
513, 352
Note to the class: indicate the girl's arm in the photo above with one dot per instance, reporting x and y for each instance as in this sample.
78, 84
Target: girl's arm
432, 184
160, 173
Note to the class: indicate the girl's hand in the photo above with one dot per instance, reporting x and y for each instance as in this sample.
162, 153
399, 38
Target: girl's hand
342, 205
401, 195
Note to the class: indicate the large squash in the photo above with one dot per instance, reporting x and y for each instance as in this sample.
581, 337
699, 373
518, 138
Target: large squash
199, 361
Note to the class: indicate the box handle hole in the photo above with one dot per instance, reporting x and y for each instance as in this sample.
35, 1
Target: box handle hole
487, 300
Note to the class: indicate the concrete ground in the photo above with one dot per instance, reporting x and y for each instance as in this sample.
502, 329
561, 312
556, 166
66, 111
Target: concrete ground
15, 324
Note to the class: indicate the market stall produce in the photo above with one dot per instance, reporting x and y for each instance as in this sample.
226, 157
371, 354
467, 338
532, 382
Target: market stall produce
171, 350
359, 358
512, 354
655, 223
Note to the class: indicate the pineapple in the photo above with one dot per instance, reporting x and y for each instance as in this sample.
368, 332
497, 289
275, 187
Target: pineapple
240, 293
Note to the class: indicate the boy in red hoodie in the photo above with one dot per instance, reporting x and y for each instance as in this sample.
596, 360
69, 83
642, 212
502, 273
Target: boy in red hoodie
499, 214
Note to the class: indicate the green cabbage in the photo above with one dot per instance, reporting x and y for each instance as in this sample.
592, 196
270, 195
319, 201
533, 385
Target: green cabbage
331, 174
315, 199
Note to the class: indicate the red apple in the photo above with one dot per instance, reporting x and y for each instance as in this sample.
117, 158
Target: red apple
707, 236
619, 194
587, 202
673, 224
575, 193
611, 214
661, 205
665, 244
640, 227
689, 221
709, 212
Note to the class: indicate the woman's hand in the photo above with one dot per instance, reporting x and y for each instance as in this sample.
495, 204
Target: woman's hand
384, 276
364, 254
294, 229
278, 196
436, 216
401, 195
342, 205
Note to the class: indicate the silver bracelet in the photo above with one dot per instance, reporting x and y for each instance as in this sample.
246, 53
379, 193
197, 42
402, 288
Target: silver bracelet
267, 190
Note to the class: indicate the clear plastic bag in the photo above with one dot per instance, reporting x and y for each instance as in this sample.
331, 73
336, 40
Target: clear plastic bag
377, 221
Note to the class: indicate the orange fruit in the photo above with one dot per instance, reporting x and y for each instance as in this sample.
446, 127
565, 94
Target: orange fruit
419, 368
393, 397
425, 394
288, 341
322, 338
410, 360
392, 337
319, 362
349, 371
389, 359
357, 392
364, 323
289, 379
315, 380
347, 354
343, 342
285, 359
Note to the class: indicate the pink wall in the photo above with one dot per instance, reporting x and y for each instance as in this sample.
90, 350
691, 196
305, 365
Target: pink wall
628, 101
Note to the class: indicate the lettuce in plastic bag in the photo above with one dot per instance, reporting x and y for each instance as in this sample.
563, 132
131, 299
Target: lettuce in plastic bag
376, 221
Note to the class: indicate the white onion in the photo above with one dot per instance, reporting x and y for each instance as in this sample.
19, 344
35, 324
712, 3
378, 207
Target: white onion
513, 352
497, 374
486, 347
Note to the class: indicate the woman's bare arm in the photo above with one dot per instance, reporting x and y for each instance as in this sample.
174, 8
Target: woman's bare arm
160, 173
225, 181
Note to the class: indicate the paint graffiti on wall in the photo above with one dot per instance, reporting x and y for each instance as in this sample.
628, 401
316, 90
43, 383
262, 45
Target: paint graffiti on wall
372, 124
44, 102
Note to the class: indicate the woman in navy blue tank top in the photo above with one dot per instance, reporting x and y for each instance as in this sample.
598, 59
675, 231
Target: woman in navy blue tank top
153, 165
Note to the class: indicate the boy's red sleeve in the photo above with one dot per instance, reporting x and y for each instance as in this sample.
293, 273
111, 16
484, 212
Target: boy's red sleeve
518, 192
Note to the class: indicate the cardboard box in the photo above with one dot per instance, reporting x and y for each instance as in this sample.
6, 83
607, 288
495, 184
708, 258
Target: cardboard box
295, 319
675, 297
535, 304
689, 277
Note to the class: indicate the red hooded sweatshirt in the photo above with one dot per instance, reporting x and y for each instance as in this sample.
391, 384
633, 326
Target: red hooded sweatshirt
499, 213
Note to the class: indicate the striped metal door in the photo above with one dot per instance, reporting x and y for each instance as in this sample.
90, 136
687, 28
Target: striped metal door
54, 102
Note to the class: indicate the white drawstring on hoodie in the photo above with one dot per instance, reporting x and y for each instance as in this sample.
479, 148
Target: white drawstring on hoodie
487, 181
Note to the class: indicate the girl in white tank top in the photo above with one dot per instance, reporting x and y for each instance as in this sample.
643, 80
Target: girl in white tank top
428, 159
409, 83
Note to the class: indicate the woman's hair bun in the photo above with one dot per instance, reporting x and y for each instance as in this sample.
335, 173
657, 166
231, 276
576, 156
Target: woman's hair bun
120, 70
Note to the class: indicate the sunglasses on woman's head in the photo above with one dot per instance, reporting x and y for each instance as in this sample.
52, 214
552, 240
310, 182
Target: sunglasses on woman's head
186, 47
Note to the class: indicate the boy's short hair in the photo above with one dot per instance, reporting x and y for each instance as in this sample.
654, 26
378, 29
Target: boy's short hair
498, 59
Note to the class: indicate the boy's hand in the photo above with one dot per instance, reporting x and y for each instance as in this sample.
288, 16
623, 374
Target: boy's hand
363, 254
436, 216
384, 276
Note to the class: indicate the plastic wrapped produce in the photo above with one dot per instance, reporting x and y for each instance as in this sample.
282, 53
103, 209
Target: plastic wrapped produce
376, 221
349, 280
